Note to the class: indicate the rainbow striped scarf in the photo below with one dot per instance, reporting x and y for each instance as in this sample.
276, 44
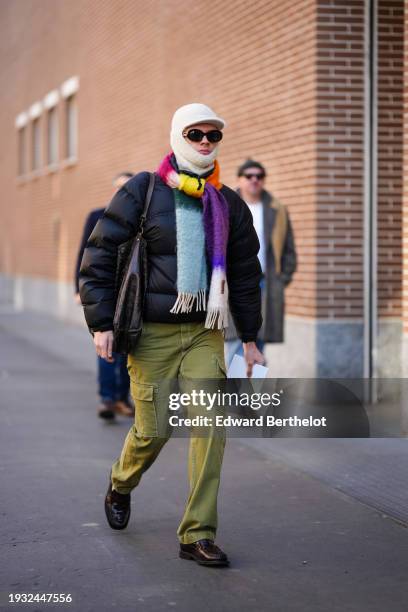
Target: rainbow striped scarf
202, 223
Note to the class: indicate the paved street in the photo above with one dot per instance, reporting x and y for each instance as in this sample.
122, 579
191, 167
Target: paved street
296, 542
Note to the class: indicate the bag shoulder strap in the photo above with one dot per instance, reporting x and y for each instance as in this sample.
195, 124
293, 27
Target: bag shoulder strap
148, 199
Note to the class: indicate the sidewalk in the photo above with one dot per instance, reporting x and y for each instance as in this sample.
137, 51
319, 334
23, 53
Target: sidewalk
375, 471
296, 542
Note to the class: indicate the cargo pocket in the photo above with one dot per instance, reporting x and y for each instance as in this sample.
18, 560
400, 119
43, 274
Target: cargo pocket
143, 395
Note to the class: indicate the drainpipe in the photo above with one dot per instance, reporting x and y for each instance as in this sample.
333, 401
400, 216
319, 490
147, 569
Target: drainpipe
370, 195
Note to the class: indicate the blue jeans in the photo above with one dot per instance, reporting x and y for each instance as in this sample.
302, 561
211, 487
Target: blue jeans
235, 347
113, 379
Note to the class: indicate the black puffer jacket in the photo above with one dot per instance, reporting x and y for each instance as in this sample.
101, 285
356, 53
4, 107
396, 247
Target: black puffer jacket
120, 222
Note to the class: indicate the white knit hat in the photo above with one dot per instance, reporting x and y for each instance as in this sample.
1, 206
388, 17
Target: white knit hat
187, 157
190, 114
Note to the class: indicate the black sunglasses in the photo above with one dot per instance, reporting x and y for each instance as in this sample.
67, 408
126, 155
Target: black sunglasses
196, 135
259, 177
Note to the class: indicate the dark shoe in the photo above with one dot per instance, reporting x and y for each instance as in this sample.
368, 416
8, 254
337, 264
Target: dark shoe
204, 552
106, 411
122, 408
117, 508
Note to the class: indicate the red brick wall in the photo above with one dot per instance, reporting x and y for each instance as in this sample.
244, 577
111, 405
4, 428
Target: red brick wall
339, 197
405, 173
137, 62
390, 152
340, 140
288, 78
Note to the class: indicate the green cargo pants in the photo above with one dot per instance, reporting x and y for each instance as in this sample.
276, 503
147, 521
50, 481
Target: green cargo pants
182, 351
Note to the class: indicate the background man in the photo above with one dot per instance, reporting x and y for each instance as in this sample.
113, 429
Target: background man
277, 255
113, 378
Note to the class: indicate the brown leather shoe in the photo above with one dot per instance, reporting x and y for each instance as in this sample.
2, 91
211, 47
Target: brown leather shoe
204, 552
124, 409
117, 508
106, 411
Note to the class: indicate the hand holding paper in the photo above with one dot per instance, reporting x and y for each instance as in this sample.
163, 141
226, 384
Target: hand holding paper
252, 356
238, 369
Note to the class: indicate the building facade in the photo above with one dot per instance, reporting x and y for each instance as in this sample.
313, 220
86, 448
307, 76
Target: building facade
314, 89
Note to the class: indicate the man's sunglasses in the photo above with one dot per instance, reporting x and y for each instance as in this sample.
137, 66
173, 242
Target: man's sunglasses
258, 177
196, 135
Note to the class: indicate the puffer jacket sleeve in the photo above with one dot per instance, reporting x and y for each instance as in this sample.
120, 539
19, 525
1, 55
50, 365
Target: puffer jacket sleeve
244, 271
97, 274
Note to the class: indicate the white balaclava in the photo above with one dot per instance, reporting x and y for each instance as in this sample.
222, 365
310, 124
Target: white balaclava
187, 157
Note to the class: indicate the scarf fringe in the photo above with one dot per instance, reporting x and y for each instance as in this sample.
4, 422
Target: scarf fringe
217, 310
212, 315
185, 302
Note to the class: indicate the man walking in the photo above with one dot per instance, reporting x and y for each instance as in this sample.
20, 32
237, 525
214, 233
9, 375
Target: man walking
202, 257
277, 255
113, 377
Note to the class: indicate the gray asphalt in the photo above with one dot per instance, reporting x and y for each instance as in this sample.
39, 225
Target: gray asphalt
295, 543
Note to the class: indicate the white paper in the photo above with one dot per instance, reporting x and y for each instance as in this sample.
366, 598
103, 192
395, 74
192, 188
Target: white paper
238, 368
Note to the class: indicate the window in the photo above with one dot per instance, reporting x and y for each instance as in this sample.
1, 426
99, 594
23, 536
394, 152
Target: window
21, 123
68, 92
22, 167
52, 136
35, 144
38, 139
71, 127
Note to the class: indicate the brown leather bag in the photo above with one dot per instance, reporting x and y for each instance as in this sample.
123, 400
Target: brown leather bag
128, 318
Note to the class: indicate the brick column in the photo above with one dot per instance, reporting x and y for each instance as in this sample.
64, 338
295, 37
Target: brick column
405, 200
339, 188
